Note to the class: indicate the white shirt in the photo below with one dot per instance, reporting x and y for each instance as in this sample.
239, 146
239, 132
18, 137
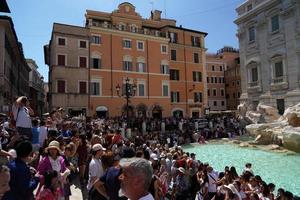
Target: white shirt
22, 117
43, 135
55, 164
95, 170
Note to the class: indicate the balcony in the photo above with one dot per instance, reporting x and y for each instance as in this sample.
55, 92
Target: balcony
279, 83
253, 84
144, 31
254, 87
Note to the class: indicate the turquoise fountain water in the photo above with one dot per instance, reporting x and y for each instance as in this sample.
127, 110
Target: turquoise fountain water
279, 168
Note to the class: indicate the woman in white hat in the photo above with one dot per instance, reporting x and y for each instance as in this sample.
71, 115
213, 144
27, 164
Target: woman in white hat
53, 160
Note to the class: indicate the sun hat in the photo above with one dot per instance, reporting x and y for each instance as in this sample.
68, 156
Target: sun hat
98, 147
54, 145
232, 188
181, 169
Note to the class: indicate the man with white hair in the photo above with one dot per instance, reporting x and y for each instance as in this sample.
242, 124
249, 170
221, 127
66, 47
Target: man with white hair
136, 178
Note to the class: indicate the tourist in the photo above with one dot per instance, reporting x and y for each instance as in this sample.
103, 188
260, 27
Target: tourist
181, 186
95, 167
248, 168
22, 112
136, 178
4, 180
43, 133
50, 190
35, 136
23, 179
212, 182
82, 151
202, 179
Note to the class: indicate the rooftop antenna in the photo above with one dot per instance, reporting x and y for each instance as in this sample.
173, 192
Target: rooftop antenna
152, 3
165, 8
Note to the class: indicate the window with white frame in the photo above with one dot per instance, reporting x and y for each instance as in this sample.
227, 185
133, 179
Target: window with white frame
140, 65
251, 34
96, 39
122, 26
274, 23
83, 61
214, 92
95, 87
165, 89
254, 74
141, 88
127, 63
164, 67
140, 45
197, 76
278, 69
175, 97
163, 49
197, 97
133, 28
61, 86
222, 92
127, 44
82, 87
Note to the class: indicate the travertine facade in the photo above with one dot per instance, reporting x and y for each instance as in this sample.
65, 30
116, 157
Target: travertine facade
269, 37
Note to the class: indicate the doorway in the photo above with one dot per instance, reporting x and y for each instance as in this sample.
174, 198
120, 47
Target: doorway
280, 106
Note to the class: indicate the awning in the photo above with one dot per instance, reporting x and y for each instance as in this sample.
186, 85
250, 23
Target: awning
101, 108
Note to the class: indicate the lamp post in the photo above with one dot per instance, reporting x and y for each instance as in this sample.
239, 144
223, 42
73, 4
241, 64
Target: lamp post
129, 92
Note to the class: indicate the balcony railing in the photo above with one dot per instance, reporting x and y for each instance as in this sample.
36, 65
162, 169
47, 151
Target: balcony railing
253, 84
144, 31
278, 80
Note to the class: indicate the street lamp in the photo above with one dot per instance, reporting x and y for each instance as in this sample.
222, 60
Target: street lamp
129, 92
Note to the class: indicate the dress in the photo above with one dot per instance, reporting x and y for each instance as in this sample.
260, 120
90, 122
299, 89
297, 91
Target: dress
47, 194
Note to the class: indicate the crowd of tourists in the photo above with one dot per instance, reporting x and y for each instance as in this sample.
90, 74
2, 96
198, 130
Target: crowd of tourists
41, 158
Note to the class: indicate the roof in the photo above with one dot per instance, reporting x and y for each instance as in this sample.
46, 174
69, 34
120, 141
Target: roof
4, 7
186, 29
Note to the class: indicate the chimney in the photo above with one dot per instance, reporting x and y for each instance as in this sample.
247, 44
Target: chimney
156, 15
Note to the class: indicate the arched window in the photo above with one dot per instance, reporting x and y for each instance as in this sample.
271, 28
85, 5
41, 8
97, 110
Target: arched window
140, 64
127, 63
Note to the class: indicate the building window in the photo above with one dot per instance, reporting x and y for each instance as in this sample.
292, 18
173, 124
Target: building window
238, 82
174, 74
95, 88
278, 69
197, 97
196, 58
82, 44
221, 68
133, 28
164, 49
61, 60
165, 90
239, 94
212, 79
121, 27
140, 46
140, 67
82, 87
61, 86
141, 89
220, 79
233, 95
173, 37
213, 68
214, 92
251, 34
207, 79
127, 65
222, 92
82, 62
173, 54
215, 103
216, 79
195, 41
232, 83
96, 39
254, 74
127, 44
164, 69
197, 76
208, 92
96, 63
61, 41
222, 103
275, 23
175, 97
249, 7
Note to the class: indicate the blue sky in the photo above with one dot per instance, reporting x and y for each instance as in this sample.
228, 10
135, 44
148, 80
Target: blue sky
33, 19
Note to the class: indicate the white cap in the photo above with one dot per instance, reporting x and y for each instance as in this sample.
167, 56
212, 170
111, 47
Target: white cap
97, 147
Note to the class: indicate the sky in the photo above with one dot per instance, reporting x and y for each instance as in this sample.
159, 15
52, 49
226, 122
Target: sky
33, 19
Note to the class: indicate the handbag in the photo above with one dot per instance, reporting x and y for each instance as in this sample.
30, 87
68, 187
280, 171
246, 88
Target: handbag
13, 121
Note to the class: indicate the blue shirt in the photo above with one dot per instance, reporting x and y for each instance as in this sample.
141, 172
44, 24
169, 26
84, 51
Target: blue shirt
35, 135
21, 183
